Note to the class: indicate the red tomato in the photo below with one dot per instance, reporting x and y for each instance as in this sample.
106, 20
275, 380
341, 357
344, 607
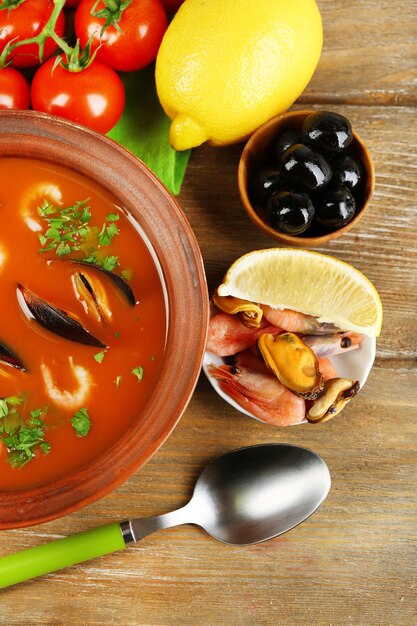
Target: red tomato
14, 90
24, 21
134, 44
172, 5
94, 97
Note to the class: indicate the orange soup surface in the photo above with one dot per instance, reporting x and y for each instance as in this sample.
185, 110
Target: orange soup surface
80, 350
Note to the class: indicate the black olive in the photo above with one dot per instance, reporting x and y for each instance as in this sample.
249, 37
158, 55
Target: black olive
302, 168
289, 212
285, 141
346, 173
264, 184
327, 132
334, 208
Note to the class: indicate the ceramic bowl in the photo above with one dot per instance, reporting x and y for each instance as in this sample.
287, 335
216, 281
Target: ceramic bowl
35, 135
355, 365
256, 155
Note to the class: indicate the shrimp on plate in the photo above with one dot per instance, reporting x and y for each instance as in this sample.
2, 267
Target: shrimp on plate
296, 322
258, 391
227, 335
330, 345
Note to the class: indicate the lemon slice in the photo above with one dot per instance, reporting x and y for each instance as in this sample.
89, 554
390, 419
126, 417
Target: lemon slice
308, 282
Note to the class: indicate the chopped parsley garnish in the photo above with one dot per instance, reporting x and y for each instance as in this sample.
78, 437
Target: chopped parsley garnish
117, 334
81, 423
22, 438
110, 262
100, 356
70, 231
127, 275
138, 372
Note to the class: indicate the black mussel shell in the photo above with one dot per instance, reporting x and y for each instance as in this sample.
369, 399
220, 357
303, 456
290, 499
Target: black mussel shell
9, 357
117, 280
56, 320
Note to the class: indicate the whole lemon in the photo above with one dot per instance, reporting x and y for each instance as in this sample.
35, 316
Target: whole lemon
227, 66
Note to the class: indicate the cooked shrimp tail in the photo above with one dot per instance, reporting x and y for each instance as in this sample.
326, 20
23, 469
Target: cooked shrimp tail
327, 369
261, 394
296, 322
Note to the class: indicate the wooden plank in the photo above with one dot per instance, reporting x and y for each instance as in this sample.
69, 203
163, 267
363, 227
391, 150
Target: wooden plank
369, 54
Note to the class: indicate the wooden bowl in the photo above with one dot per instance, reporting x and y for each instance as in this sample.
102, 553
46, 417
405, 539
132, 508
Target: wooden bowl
257, 154
40, 136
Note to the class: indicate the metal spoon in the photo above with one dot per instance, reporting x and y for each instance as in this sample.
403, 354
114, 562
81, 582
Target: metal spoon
246, 496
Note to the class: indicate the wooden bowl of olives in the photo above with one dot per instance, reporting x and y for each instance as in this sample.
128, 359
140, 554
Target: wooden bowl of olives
306, 177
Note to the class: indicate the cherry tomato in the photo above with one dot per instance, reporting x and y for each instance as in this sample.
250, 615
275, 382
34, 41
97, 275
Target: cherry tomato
14, 90
93, 97
131, 46
24, 21
172, 5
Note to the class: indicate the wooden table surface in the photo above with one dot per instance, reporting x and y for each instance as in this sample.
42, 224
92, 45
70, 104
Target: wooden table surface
354, 561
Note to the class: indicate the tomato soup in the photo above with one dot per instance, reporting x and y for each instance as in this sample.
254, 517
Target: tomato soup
83, 322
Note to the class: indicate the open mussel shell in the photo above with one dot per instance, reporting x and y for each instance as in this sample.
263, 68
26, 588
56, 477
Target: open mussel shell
293, 363
10, 358
117, 280
55, 320
92, 295
336, 394
250, 313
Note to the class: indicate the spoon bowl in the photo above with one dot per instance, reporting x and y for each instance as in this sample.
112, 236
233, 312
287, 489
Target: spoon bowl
246, 496
256, 493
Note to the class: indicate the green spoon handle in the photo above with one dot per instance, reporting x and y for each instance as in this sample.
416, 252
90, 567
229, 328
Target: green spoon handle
61, 553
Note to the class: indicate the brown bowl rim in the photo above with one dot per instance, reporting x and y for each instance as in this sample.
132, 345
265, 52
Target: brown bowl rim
53, 139
291, 239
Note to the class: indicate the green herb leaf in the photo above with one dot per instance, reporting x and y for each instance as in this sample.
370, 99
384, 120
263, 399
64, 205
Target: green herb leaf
127, 274
117, 334
22, 443
110, 262
4, 409
14, 400
81, 423
45, 446
138, 372
69, 230
105, 237
100, 356
63, 248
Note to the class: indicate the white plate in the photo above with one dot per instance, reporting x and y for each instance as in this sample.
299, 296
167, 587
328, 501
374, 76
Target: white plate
355, 364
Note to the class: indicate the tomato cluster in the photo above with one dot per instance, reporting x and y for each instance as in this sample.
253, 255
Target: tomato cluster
79, 83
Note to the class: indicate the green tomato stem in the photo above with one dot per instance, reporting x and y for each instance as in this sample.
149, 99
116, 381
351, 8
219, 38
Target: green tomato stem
47, 31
